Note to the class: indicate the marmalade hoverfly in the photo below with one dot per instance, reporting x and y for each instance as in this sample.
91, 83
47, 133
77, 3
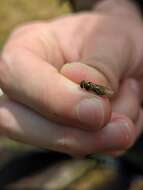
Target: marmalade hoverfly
98, 89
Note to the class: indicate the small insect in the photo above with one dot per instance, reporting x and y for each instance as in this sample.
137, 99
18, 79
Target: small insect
98, 89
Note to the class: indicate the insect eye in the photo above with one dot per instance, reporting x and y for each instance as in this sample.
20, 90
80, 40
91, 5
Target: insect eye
82, 84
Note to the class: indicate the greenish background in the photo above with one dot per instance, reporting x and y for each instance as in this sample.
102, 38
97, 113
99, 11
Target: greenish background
15, 12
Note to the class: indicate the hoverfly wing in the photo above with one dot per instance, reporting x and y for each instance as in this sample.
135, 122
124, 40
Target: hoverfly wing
109, 93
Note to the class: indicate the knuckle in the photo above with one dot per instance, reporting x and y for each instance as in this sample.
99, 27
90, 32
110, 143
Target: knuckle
8, 64
20, 36
23, 29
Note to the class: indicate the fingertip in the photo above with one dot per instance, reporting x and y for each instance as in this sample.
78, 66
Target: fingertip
119, 134
125, 129
94, 112
78, 71
127, 101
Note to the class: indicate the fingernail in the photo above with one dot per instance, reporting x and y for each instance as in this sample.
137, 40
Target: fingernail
91, 112
134, 85
117, 135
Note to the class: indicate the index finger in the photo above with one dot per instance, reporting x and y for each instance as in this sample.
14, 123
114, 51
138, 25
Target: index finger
37, 84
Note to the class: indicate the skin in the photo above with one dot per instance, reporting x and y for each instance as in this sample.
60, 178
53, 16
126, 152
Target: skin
42, 65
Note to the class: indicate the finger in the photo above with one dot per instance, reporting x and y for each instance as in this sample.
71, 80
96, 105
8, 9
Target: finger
121, 132
20, 123
40, 86
77, 71
137, 132
128, 103
128, 99
127, 106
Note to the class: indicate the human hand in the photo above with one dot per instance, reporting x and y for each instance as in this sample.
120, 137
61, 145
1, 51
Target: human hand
42, 65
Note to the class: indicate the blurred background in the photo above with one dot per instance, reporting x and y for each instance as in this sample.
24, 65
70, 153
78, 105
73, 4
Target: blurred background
15, 12
24, 167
